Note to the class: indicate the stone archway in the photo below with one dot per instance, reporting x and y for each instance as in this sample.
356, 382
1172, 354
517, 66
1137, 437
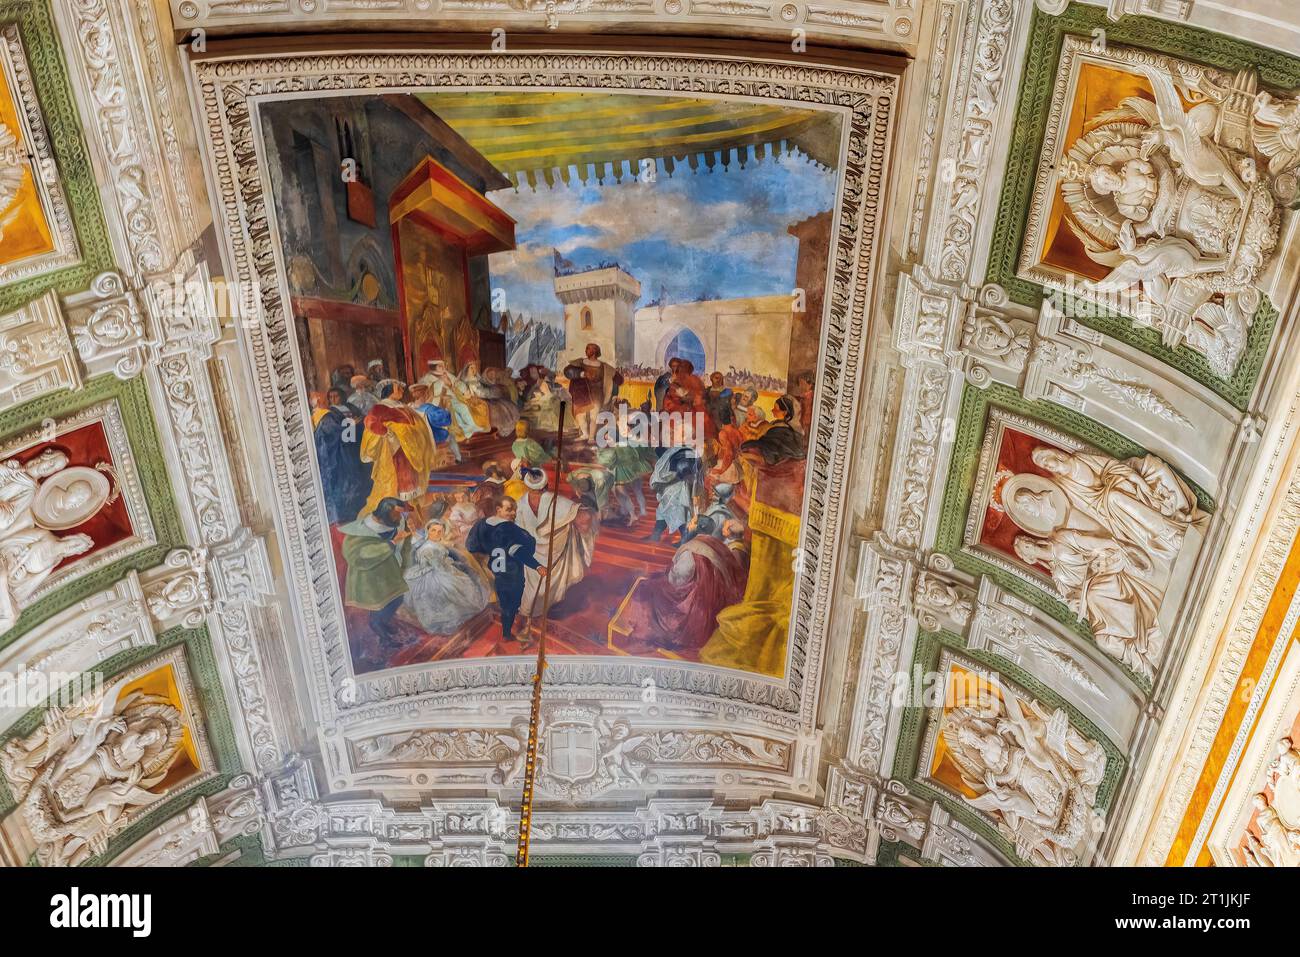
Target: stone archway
684, 342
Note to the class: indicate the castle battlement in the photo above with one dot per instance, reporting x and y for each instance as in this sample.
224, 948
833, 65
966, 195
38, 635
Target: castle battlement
603, 282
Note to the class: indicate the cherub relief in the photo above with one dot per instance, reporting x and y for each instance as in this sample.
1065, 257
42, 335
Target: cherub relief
1033, 773
1157, 192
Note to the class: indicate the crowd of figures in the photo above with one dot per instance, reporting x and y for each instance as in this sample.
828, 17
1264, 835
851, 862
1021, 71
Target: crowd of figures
495, 527
734, 378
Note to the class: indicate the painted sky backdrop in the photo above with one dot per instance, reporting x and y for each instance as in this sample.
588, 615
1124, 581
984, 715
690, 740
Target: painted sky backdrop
718, 234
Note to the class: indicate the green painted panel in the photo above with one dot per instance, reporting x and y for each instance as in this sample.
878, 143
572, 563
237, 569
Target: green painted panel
971, 425
63, 126
1047, 34
912, 730
132, 398
212, 705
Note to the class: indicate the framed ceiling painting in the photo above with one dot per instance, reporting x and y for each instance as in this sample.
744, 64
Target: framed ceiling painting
446, 245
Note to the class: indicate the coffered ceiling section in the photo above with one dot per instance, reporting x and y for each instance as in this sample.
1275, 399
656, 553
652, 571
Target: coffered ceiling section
1120, 195
112, 712
1158, 181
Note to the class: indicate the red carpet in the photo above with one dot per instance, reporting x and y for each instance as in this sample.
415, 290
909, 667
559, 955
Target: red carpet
578, 625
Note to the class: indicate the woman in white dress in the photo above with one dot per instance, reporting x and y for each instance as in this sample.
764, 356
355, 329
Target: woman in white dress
461, 517
445, 590
447, 391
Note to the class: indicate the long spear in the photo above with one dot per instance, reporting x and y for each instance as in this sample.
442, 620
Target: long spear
535, 711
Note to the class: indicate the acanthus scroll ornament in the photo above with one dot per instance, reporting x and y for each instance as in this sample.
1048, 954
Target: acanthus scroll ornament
1076, 365
36, 353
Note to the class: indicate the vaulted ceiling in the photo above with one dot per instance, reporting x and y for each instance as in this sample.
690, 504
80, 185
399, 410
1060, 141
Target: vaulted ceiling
1016, 588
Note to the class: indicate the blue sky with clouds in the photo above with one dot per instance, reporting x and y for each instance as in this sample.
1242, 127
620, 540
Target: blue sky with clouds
721, 233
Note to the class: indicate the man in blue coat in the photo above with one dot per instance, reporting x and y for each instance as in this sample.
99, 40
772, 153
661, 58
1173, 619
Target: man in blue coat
344, 477
509, 550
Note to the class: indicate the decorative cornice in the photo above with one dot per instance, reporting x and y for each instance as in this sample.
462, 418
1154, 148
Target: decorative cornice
876, 20
483, 832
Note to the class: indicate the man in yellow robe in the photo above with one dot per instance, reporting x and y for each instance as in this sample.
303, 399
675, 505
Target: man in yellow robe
399, 443
753, 635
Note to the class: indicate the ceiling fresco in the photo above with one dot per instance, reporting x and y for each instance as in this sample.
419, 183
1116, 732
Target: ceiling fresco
870, 445
500, 291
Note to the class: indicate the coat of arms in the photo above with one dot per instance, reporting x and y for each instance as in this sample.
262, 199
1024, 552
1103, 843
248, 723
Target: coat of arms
583, 754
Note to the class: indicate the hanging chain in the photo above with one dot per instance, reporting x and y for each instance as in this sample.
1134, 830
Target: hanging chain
535, 712
530, 760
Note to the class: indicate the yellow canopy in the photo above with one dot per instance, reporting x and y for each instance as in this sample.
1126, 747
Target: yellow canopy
530, 136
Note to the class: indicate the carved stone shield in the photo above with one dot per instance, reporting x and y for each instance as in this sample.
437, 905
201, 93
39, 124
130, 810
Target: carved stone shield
571, 751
